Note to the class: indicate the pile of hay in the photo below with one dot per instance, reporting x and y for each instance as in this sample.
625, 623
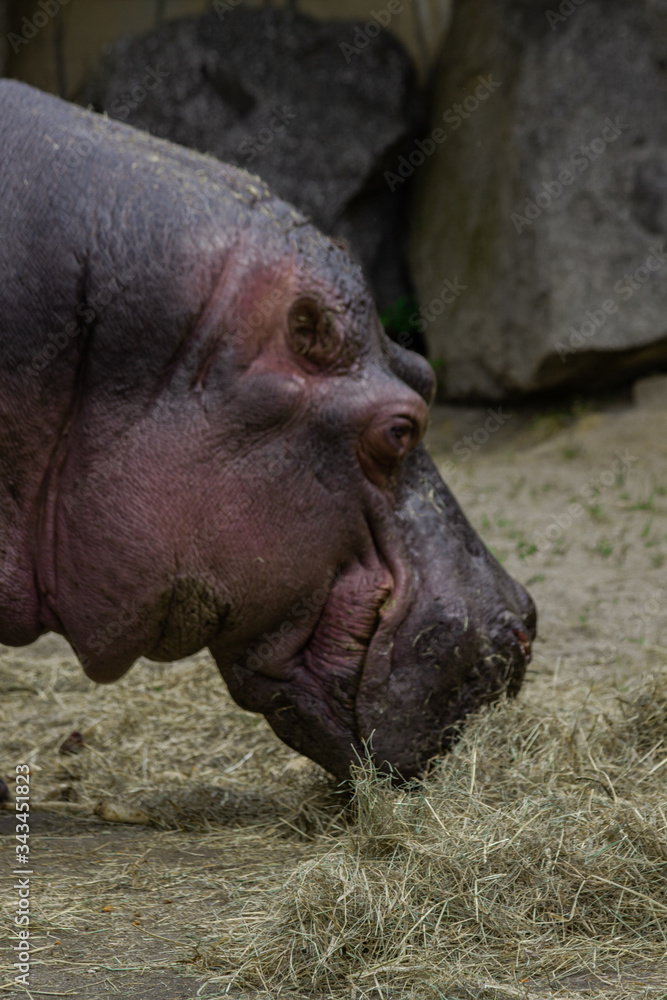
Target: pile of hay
536, 850
165, 746
532, 860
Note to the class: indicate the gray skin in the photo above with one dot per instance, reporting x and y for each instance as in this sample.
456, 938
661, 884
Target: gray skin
207, 440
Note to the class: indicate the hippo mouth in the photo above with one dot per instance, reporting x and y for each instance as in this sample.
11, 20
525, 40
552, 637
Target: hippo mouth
336, 652
307, 685
314, 711
355, 685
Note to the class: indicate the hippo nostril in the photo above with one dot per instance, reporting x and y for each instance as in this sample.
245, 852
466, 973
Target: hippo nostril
511, 629
524, 642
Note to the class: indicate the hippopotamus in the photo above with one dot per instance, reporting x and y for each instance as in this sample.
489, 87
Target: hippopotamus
207, 440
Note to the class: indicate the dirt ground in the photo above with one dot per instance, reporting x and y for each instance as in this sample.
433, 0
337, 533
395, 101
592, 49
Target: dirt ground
574, 503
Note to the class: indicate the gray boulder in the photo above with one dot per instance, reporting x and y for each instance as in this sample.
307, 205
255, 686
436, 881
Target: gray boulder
545, 204
279, 94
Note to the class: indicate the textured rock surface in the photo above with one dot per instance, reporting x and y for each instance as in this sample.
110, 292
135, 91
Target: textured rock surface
563, 283
339, 122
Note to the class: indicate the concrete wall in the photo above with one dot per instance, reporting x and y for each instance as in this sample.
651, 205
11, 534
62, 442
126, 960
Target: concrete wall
53, 43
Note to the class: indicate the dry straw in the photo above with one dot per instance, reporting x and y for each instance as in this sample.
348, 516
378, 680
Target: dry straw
537, 849
531, 862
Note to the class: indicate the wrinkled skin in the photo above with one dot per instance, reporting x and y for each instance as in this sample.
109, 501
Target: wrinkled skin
207, 440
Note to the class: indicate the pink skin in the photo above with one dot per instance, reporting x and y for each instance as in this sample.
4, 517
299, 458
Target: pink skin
241, 535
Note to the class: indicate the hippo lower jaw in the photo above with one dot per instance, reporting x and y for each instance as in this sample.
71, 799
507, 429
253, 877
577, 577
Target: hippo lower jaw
309, 698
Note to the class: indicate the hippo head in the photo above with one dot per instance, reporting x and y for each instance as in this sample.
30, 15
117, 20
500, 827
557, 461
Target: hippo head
282, 512
368, 609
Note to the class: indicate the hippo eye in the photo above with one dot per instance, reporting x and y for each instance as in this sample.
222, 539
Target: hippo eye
313, 333
394, 442
401, 434
385, 444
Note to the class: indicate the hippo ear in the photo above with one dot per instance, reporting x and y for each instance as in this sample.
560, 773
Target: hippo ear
312, 332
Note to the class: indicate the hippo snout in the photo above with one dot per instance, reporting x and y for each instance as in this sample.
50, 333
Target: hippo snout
443, 667
463, 641
458, 641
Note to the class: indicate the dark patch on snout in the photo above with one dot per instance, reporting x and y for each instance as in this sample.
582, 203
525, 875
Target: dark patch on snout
447, 643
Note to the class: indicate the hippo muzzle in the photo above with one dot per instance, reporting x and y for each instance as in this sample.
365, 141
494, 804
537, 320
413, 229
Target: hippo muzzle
464, 640
438, 630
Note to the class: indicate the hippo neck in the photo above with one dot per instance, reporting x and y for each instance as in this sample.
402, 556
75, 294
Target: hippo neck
94, 304
37, 410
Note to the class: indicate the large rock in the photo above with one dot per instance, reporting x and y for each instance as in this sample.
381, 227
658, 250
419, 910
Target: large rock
274, 92
545, 207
